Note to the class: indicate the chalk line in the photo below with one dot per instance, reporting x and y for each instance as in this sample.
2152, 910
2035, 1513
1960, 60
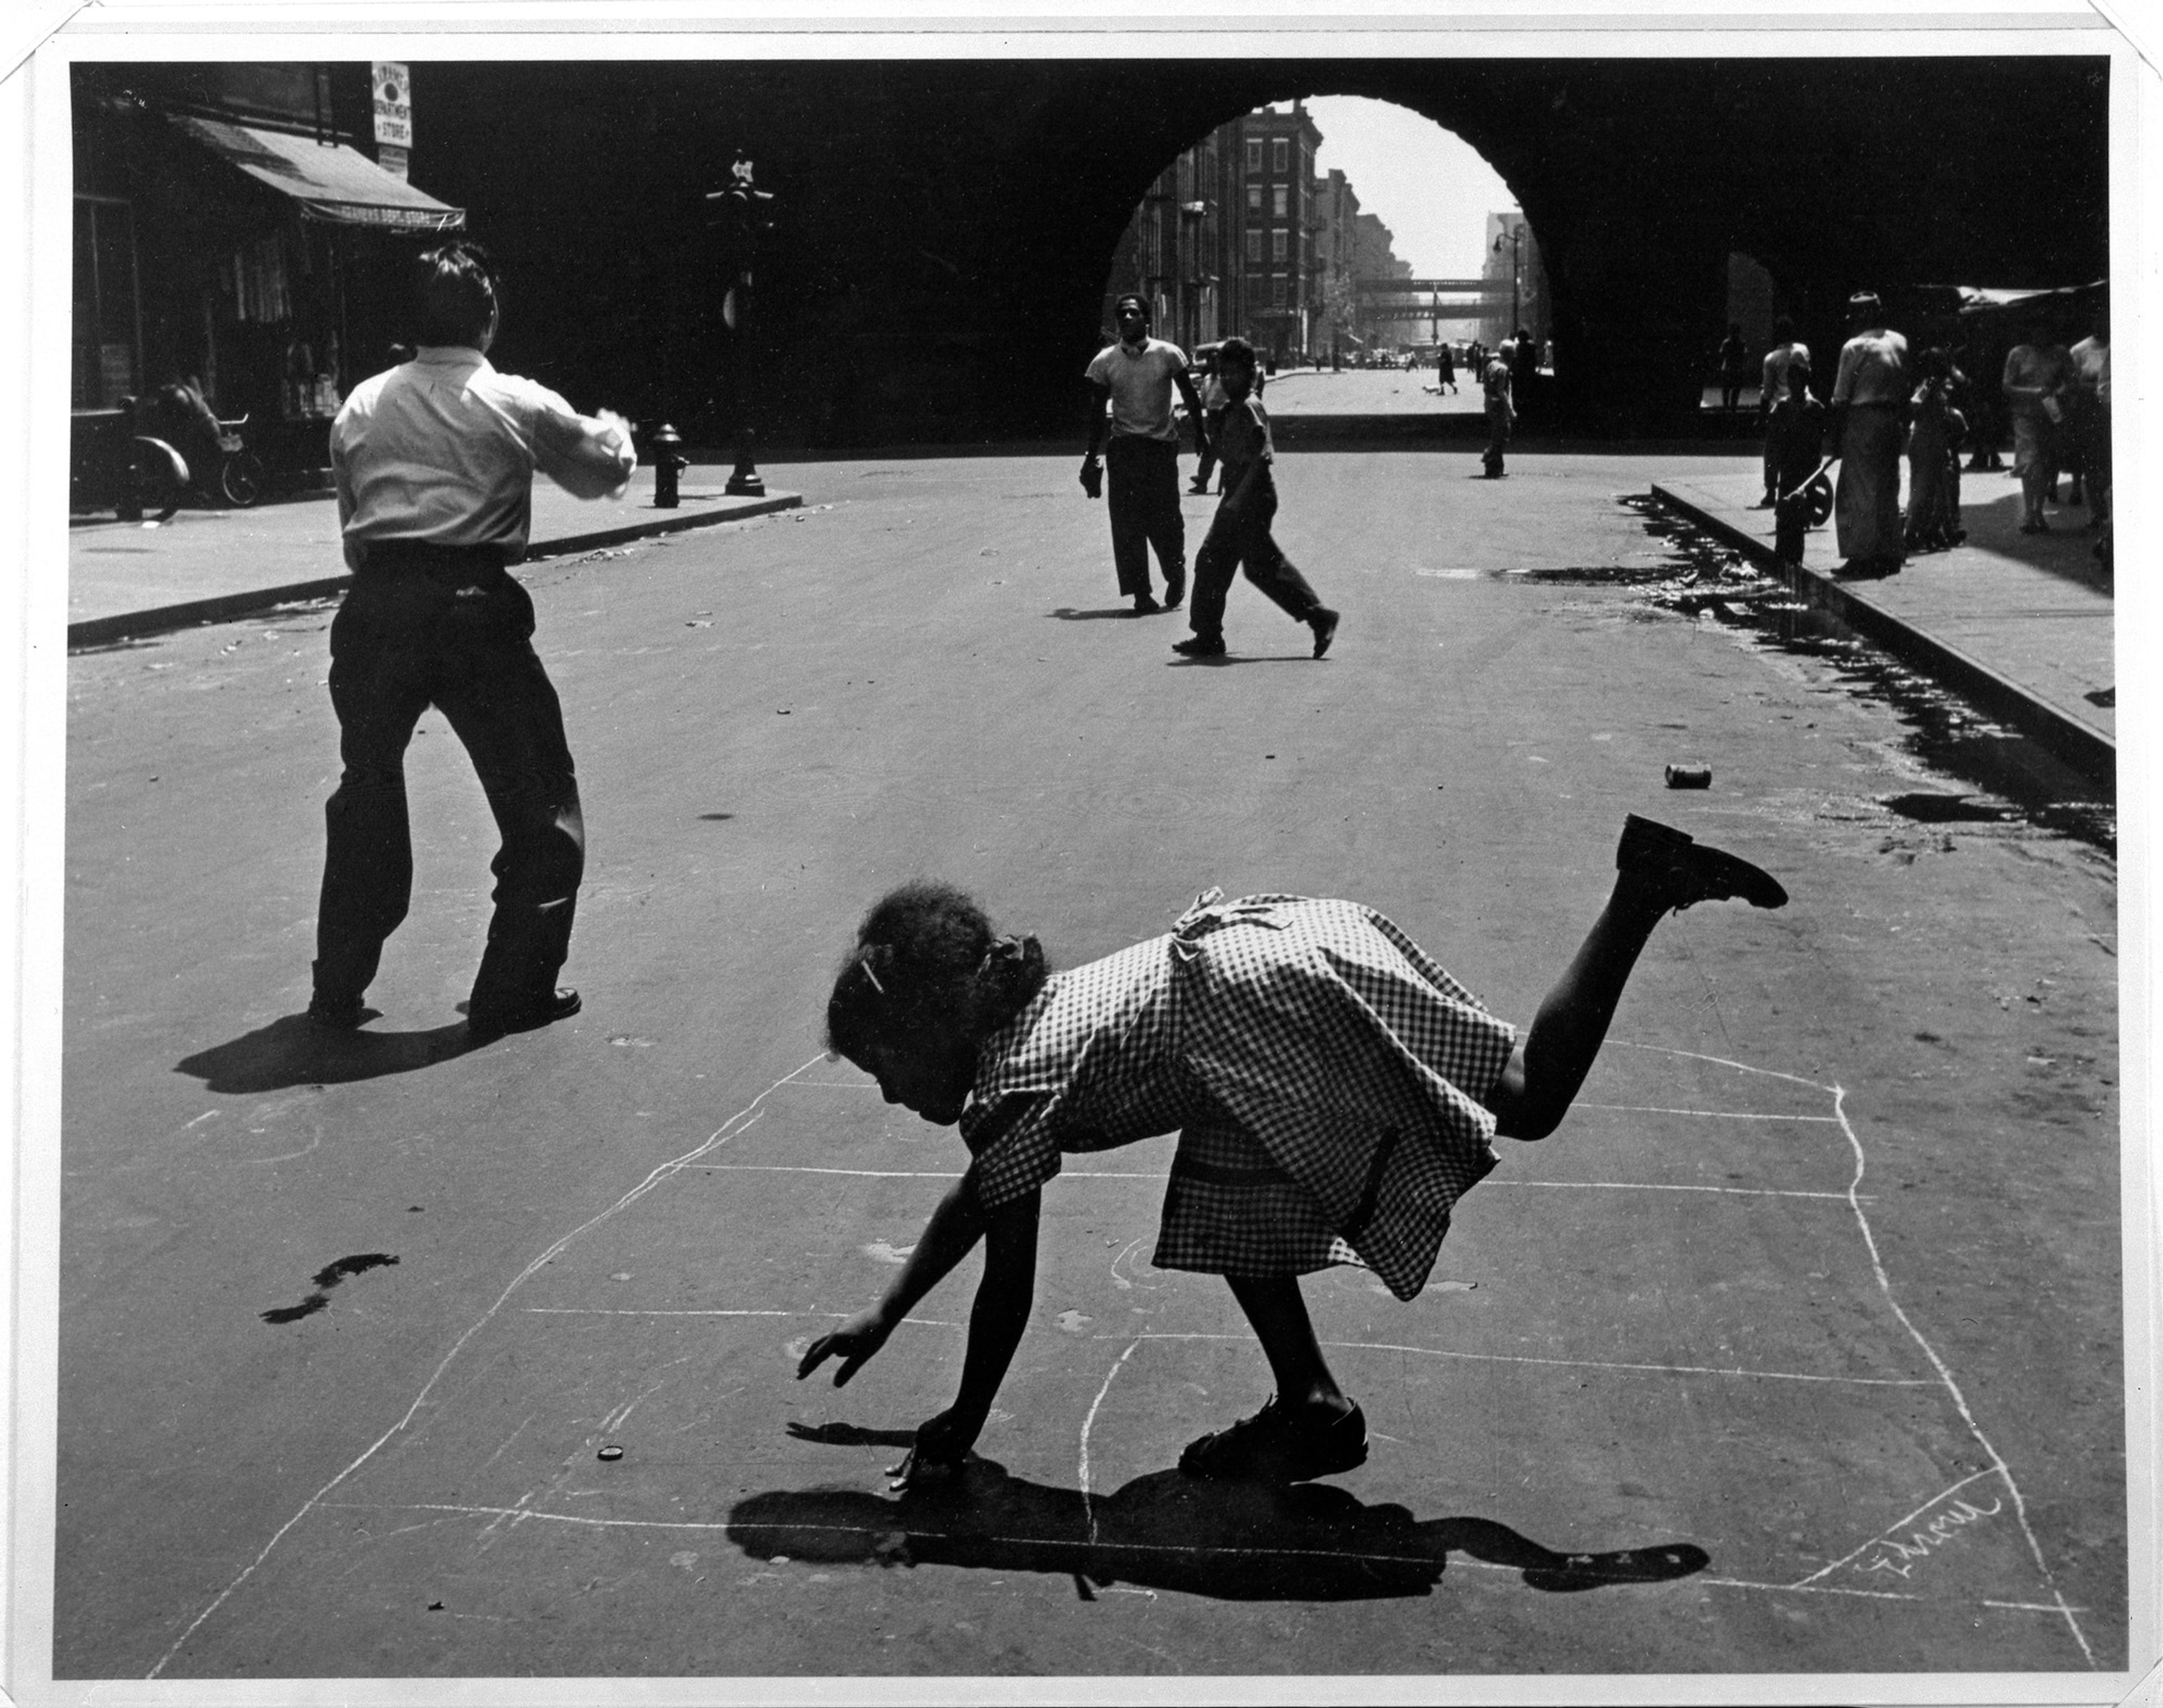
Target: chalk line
1709, 1114
729, 1128
1088, 1505
1608, 1185
1773, 1376
1952, 1387
1998, 1464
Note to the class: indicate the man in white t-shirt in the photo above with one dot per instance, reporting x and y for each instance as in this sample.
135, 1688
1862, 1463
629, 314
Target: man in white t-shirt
1134, 377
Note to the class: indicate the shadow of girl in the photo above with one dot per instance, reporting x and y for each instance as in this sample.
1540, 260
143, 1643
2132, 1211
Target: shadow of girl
1240, 1542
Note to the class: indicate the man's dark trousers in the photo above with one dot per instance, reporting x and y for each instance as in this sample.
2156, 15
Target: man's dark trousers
1249, 543
1143, 502
451, 629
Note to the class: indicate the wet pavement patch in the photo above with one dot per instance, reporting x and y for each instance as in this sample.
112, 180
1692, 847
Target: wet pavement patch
2017, 782
325, 1278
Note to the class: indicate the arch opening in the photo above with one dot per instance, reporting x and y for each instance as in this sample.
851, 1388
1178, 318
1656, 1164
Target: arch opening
1332, 230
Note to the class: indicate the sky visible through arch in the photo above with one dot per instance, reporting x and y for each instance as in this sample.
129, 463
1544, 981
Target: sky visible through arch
1430, 187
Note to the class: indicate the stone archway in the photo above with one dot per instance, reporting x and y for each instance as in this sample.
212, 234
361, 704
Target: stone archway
943, 224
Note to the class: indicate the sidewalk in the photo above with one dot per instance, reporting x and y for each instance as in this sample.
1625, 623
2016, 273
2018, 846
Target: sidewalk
2022, 623
208, 565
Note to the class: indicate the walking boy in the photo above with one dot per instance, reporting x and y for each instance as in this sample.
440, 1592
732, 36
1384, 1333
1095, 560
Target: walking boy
1239, 534
1794, 446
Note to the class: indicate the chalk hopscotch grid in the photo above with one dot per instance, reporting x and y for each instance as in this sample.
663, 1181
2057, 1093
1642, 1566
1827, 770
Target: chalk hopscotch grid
753, 1112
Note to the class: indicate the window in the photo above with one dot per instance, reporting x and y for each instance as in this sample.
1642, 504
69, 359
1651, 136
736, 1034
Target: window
1277, 290
1280, 154
1253, 198
1253, 153
1278, 239
1280, 201
1253, 243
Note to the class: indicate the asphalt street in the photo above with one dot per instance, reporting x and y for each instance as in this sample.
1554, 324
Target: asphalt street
1797, 1350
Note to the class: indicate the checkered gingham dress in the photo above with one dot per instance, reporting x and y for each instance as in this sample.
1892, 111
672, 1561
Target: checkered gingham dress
1325, 1076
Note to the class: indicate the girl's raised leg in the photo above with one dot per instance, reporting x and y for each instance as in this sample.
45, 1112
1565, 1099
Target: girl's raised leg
1658, 871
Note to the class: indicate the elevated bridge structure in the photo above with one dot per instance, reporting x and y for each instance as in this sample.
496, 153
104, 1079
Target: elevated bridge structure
943, 227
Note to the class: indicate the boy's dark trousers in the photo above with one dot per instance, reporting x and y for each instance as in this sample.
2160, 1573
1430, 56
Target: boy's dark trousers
1245, 542
447, 628
1791, 522
1143, 503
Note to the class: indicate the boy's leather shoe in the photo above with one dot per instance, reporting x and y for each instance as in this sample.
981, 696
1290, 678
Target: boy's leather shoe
1201, 645
486, 1026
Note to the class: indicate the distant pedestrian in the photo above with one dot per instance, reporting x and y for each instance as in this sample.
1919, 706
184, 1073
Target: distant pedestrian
1213, 405
1501, 414
433, 462
2037, 370
1334, 1090
1445, 369
2084, 424
1795, 448
1734, 367
1134, 377
1771, 386
1239, 533
1935, 431
1869, 404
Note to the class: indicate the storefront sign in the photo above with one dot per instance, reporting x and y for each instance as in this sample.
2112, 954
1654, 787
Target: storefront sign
393, 115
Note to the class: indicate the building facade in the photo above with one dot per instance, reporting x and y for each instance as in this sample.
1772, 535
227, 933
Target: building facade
1513, 261
234, 226
1230, 240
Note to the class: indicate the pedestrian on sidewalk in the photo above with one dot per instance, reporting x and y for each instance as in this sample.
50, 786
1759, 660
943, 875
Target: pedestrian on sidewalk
1795, 448
1936, 433
1734, 367
1239, 532
1771, 387
1334, 1089
1445, 369
1134, 376
1501, 412
2038, 369
1214, 405
2085, 427
434, 462
1869, 404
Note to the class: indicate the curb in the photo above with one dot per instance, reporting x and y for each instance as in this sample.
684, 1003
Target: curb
100, 631
2087, 750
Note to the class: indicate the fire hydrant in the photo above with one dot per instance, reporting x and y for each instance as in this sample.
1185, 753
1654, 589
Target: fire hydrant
667, 465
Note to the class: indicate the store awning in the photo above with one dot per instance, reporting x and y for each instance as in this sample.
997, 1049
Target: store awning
331, 181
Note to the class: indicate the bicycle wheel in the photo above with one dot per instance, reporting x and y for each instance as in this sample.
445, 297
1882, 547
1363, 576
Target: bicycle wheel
242, 478
161, 477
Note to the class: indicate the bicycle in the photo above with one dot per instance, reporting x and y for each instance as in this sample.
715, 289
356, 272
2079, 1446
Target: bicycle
240, 476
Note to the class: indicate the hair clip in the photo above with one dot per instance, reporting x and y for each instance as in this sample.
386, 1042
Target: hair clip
864, 960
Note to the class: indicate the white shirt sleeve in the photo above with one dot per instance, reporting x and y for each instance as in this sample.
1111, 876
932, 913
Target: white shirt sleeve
588, 456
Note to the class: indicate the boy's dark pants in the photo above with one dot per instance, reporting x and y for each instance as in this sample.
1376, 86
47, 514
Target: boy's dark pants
1143, 503
1245, 542
1791, 521
448, 629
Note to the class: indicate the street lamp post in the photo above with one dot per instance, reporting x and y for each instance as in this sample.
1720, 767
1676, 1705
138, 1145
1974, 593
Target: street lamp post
1516, 238
743, 213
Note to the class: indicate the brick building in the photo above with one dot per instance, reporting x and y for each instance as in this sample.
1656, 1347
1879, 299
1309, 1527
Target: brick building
1236, 236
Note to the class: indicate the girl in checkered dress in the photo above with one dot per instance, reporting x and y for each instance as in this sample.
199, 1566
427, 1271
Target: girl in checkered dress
1335, 1091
